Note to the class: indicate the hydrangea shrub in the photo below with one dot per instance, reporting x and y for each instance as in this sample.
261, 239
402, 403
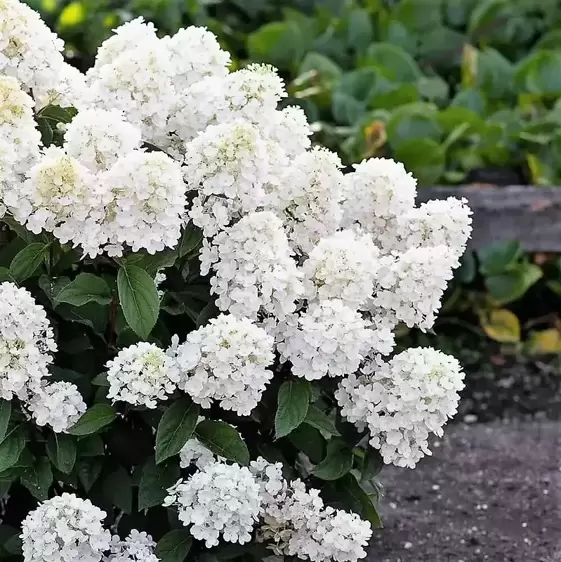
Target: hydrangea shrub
197, 353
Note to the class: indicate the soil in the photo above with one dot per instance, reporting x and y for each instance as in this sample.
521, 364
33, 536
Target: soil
490, 492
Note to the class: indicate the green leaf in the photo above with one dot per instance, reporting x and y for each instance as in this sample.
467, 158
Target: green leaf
279, 43
308, 440
5, 414
152, 263
11, 448
89, 471
292, 406
357, 500
117, 488
393, 62
155, 481
499, 257
85, 288
191, 239
337, 463
359, 31
94, 419
468, 268
175, 428
57, 114
424, 158
320, 420
512, 285
100, 380
372, 464
38, 478
10, 540
61, 449
174, 546
92, 446
27, 261
207, 313
223, 440
139, 299
46, 131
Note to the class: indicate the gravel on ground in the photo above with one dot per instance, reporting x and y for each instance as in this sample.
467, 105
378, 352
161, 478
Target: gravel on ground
489, 493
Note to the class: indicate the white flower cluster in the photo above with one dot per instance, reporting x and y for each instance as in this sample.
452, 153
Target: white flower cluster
142, 374
343, 266
65, 529
137, 547
296, 522
31, 53
254, 270
219, 500
330, 339
26, 348
231, 166
402, 402
226, 361
19, 137
194, 452
58, 404
26, 342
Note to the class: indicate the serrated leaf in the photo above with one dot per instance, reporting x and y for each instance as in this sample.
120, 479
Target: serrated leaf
27, 261
94, 419
5, 414
223, 440
175, 428
139, 299
320, 420
337, 463
61, 449
292, 406
174, 546
155, 481
38, 478
117, 488
84, 289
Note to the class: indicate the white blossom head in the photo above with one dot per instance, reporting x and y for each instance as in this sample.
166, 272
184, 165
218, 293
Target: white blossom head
65, 528
57, 404
254, 271
137, 547
402, 402
342, 266
97, 138
226, 361
376, 193
194, 452
220, 500
26, 342
142, 374
330, 339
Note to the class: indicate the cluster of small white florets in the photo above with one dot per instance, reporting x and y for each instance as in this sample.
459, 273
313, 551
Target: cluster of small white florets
194, 452
295, 521
26, 342
413, 285
31, 53
253, 268
403, 401
226, 361
19, 137
58, 404
311, 198
343, 266
26, 350
230, 166
219, 500
137, 547
65, 529
329, 339
142, 374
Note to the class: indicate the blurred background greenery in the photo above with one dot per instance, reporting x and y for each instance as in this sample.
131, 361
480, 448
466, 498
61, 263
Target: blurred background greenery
460, 91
